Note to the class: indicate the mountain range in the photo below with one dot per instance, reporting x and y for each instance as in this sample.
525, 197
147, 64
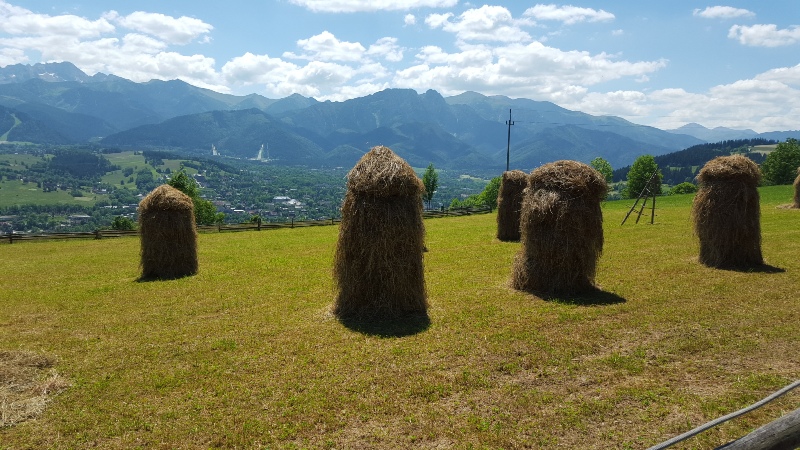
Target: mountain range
57, 103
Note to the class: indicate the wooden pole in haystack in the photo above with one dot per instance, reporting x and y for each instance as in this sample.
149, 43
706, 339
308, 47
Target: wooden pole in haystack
378, 262
562, 230
509, 205
726, 213
167, 234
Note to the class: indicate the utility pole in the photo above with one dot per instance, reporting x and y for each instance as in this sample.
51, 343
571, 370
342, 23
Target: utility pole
509, 122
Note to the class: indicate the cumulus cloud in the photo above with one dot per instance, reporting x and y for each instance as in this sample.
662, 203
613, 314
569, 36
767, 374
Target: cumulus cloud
531, 70
15, 20
326, 47
722, 12
350, 6
487, 23
567, 14
758, 103
409, 19
764, 35
386, 48
181, 30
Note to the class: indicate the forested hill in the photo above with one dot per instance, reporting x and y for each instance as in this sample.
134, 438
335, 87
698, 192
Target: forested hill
682, 166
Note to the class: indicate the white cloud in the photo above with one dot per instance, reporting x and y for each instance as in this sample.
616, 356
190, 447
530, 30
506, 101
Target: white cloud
487, 24
764, 35
387, 48
758, 103
722, 12
568, 14
617, 32
12, 56
326, 47
350, 6
409, 19
520, 70
174, 31
15, 20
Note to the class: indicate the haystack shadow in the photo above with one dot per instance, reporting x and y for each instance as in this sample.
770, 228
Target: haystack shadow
759, 268
596, 297
400, 326
143, 279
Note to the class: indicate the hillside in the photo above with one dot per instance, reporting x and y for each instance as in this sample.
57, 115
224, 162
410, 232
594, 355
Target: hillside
464, 132
245, 355
234, 133
682, 166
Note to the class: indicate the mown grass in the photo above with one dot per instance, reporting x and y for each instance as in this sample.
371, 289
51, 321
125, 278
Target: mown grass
246, 355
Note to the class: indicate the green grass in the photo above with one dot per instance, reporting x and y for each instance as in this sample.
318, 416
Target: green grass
4, 136
245, 355
15, 192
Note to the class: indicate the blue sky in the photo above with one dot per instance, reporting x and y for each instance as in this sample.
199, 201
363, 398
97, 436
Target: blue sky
734, 64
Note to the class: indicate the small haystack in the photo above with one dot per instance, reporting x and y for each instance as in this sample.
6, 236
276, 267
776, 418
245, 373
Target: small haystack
509, 205
378, 262
796, 203
167, 234
726, 213
562, 230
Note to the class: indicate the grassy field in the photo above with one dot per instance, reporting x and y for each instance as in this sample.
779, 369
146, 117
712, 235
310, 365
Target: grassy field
245, 354
15, 192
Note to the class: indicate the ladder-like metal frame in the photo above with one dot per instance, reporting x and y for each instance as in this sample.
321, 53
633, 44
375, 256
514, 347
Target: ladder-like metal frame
647, 192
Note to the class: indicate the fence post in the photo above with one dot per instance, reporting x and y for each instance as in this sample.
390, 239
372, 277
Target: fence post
292, 221
97, 234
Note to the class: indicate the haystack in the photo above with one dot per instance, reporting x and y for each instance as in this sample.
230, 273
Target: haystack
167, 234
796, 203
509, 205
378, 262
562, 230
726, 213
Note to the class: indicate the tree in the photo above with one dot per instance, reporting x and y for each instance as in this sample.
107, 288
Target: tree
122, 223
640, 173
683, 188
205, 213
184, 183
489, 195
781, 164
604, 167
431, 181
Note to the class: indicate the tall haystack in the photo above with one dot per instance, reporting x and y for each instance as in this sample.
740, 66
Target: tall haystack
378, 262
167, 234
509, 205
726, 213
562, 230
796, 203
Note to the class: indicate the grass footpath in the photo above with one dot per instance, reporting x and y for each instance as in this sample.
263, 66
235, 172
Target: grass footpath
245, 355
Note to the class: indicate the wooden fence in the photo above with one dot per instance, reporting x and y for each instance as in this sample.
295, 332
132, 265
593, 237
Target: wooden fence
10, 238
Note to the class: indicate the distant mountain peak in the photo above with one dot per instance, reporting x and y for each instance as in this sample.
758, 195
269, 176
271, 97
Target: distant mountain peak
53, 72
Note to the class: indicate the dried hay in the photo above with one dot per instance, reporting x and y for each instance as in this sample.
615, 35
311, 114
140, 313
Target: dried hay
167, 234
27, 383
726, 213
378, 262
562, 230
796, 203
509, 205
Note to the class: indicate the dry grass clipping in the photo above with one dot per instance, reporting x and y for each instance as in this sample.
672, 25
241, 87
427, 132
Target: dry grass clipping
167, 234
727, 214
509, 205
796, 203
27, 383
562, 230
378, 262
